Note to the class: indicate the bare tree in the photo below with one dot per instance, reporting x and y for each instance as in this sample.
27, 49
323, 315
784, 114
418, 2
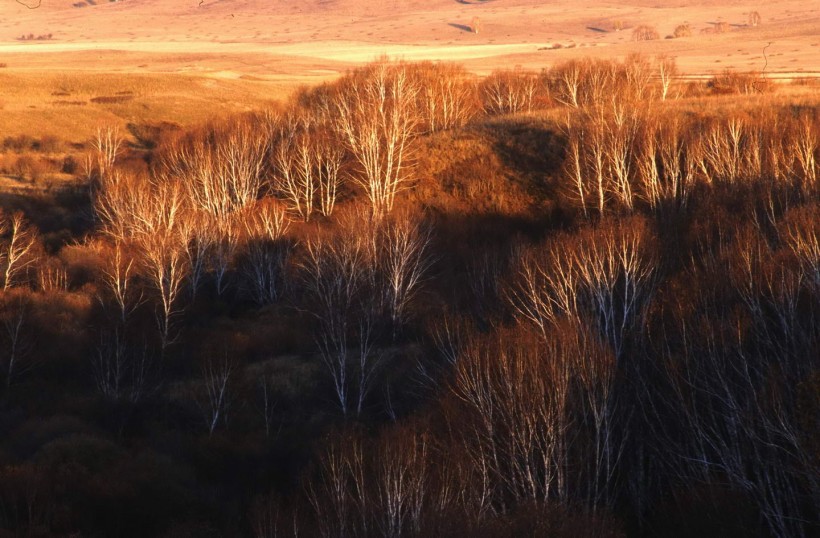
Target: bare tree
515, 394
665, 164
165, 267
667, 70
26, 495
616, 271
119, 202
330, 495
307, 163
18, 249
222, 169
377, 119
607, 281
122, 371
109, 365
596, 370
742, 430
567, 80
227, 236
368, 357
332, 275
406, 260
587, 159
198, 234
154, 217
52, 276
621, 131
384, 492
401, 484
731, 381
604, 84
217, 374
117, 277
592, 295
447, 96
754, 19
133, 207
107, 143
805, 146
339, 274
722, 150
509, 91
266, 251
636, 73
272, 517
328, 158
265, 386
575, 162
295, 178
803, 240
601, 84
15, 319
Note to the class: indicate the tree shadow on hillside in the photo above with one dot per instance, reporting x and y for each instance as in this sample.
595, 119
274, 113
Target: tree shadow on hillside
462, 27
149, 135
530, 148
61, 214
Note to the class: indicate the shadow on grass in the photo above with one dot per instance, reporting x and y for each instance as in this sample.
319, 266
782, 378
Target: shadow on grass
61, 214
462, 27
533, 149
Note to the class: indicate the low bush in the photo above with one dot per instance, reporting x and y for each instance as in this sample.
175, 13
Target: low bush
645, 33
682, 30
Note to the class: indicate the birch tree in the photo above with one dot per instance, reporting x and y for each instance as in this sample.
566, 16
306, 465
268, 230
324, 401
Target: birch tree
18, 249
377, 118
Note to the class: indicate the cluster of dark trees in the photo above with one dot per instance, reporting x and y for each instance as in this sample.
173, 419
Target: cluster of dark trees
583, 302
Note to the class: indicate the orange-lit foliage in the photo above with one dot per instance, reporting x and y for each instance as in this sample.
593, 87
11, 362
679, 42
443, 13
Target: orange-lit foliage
412, 302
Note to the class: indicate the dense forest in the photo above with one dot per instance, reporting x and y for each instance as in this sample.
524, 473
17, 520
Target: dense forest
414, 302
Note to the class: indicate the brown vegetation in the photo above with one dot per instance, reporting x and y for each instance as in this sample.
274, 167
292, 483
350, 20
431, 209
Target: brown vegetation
580, 302
682, 30
645, 33
754, 19
729, 82
721, 27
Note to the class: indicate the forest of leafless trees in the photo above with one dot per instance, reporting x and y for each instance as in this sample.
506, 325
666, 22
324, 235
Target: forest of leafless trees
413, 302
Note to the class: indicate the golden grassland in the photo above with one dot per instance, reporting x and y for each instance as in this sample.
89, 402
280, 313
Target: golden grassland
66, 108
70, 106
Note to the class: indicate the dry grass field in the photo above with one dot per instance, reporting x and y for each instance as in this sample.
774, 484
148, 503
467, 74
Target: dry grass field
181, 61
72, 105
252, 36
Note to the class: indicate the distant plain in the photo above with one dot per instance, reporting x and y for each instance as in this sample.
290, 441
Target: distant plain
187, 60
